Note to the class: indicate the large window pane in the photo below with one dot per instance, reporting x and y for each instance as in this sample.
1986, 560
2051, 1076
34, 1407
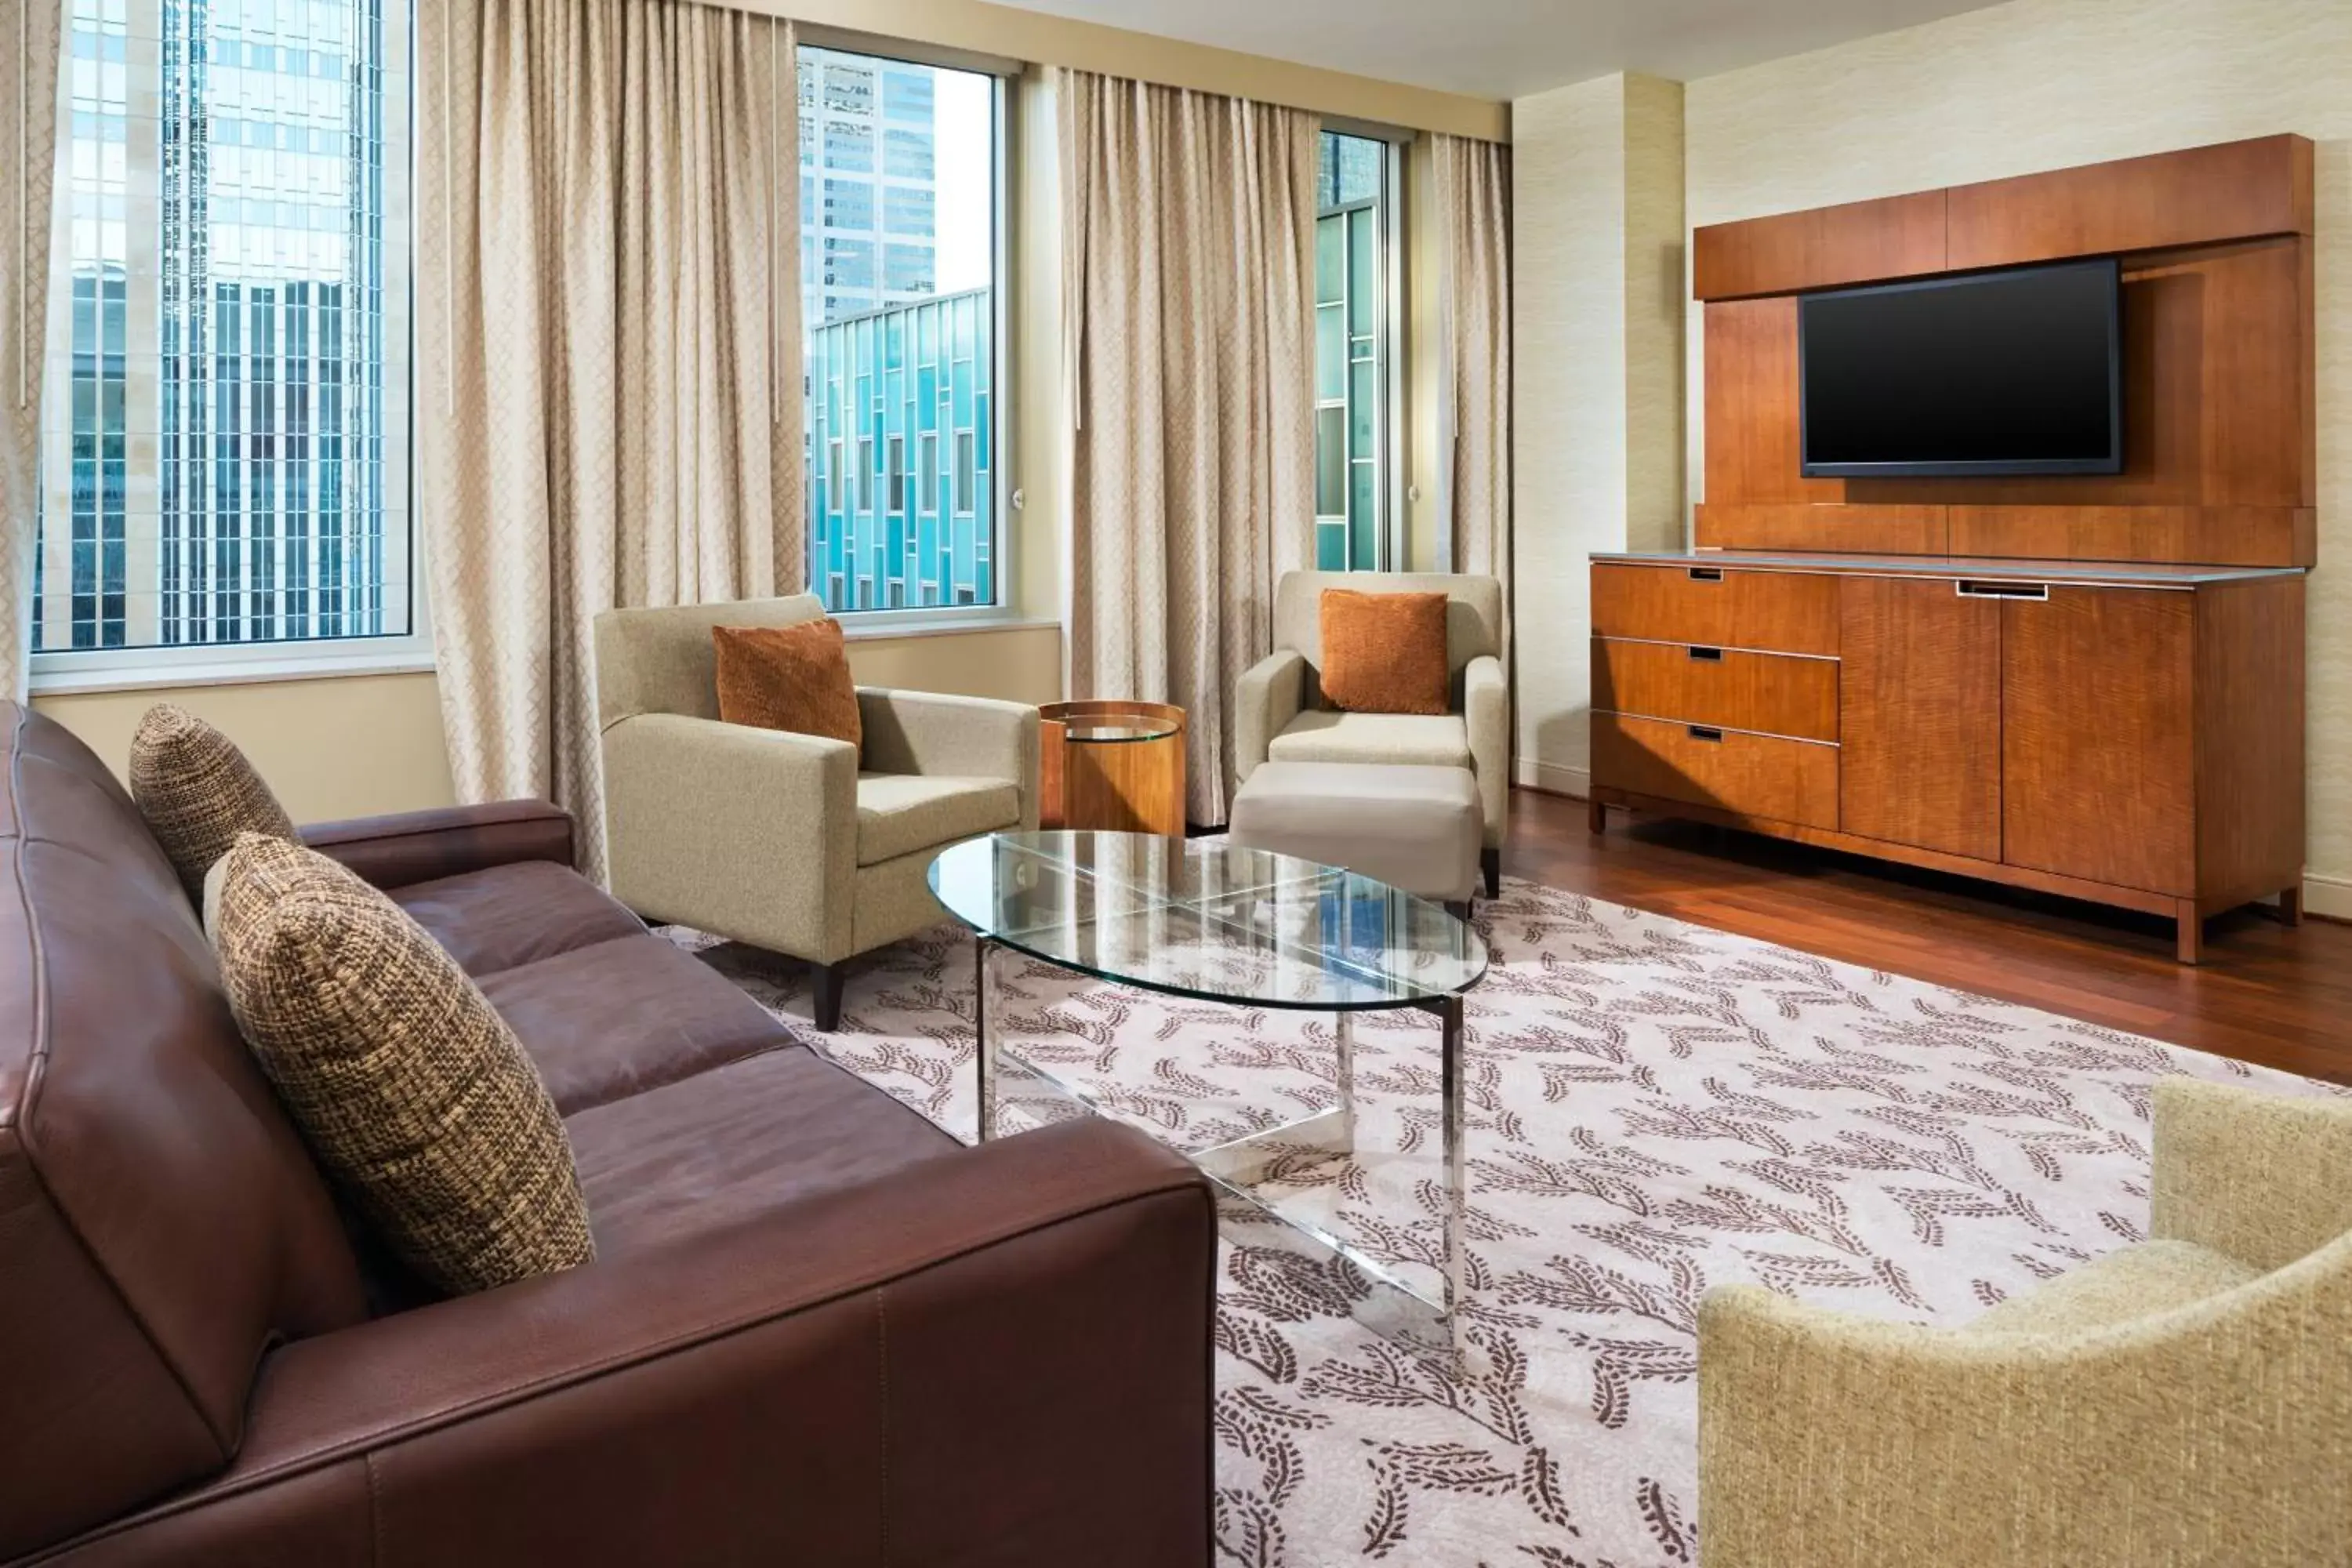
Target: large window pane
898, 317
225, 453
1351, 353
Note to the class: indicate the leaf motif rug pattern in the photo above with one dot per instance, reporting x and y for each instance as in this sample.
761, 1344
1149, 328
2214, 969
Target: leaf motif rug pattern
1654, 1109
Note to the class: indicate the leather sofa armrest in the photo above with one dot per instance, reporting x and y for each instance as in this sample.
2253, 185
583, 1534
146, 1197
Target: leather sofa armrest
1000, 1356
421, 845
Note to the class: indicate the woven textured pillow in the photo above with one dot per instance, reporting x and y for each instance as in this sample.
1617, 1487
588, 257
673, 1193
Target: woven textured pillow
788, 677
198, 792
1384, 653
409, 1088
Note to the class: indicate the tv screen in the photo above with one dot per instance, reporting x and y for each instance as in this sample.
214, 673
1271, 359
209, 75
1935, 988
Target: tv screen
1997, 372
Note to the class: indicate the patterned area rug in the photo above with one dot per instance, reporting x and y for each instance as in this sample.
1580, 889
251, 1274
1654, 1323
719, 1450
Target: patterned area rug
1654, 1109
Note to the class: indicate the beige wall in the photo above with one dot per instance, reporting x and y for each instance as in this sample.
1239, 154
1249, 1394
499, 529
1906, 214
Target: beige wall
2044, 84
1597, 268
357, 746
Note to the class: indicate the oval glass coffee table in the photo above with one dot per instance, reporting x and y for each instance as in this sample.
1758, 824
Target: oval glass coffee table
1209, 920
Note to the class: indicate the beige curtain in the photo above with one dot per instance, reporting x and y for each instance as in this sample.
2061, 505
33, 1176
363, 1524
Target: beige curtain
1472, 198
29, 35
1188, 231
609, 369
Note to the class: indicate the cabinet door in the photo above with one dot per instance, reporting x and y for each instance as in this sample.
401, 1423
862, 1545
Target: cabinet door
1919, 715
2096, 743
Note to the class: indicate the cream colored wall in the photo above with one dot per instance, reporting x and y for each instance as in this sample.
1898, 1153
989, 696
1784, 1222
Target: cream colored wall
1596, 204
2045, 84
351, 745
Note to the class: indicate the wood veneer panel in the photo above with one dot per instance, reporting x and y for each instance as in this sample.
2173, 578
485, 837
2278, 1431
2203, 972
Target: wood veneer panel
1753, 452
2203, 195
1804, 525
1693, 602
1920, 715
1859, 242
2096, 716
1773, 693
1755, 775
2213, 535
2249, 679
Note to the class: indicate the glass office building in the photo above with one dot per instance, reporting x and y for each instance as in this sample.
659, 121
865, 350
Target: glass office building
1351, 354
225, 453
899, 326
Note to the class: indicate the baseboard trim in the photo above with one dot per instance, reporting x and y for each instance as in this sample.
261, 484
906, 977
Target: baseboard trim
1554, 778
2329, 897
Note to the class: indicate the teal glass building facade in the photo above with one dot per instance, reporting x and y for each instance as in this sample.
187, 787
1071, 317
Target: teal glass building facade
901, 458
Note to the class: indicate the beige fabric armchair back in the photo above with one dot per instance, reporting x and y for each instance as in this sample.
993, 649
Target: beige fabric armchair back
2185, 1400
790, 842
1281, 715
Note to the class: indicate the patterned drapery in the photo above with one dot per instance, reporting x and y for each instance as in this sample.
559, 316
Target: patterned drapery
29, 230
608, 383
1473, 190
1188, 233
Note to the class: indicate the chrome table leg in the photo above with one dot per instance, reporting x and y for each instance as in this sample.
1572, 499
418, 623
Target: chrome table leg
982, 948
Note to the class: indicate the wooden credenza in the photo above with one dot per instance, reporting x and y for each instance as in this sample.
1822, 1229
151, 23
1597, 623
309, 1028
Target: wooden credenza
2127, 734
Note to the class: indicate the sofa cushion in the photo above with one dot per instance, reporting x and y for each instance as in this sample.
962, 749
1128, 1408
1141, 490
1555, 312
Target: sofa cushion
788, 677
725, 1146
198, 792
2136, 1282
605, 1022
506, 916
1414, 828
1384, 652
898, 814
403, 1079
1433, 740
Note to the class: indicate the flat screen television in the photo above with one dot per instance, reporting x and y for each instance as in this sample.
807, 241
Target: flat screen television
2016, 371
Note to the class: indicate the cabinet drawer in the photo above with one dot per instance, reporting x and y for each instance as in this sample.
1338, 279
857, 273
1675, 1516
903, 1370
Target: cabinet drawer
1720, 606
1755, 775
1774, 693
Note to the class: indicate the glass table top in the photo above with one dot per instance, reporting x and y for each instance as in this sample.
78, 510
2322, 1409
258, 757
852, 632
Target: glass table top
1206, 918
1116, 730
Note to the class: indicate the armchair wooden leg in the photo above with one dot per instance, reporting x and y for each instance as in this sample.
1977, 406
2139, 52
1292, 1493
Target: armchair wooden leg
1490, 861
828, 977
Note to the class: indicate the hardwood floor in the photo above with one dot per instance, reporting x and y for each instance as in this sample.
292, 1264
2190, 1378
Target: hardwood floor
2266, 993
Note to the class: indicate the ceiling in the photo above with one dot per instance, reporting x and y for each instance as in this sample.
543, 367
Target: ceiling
1508, 48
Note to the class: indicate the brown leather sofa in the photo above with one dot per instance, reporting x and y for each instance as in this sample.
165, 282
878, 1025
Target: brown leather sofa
819, 1331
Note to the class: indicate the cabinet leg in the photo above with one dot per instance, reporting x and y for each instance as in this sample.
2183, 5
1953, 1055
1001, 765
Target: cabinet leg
2191, 948
2290, 906
1599, 817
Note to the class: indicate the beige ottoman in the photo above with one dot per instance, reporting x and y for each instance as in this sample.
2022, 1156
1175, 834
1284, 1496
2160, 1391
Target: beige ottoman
1417, 828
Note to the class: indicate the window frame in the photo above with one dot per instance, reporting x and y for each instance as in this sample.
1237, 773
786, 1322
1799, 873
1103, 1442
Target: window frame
168, 666
1003, 491
1394, 433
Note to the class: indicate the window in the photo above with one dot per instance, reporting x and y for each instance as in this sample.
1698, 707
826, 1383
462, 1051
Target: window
1352, 353
224, 456
901, 345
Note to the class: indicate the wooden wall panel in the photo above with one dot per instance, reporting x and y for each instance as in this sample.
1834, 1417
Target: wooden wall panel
2096, 720
1919, 715
1753, 449
2249, 739
1801, 525
2238, 190
1860, 242
2213, 535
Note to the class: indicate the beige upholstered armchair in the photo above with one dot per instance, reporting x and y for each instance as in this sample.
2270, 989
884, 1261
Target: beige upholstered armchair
2185, 1400
790, 842
1281, 716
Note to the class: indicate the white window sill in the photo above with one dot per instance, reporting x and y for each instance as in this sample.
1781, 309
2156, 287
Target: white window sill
148, 670
862, 625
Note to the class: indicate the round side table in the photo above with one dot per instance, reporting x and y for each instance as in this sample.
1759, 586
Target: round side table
1111, 765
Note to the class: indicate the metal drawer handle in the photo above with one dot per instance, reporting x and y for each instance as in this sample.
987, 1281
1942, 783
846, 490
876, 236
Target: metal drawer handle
1968, 589
1707, 655
1701, 732
1706, 573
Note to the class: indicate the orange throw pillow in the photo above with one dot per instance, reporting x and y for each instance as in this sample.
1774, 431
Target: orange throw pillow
788, 677
1384, 653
